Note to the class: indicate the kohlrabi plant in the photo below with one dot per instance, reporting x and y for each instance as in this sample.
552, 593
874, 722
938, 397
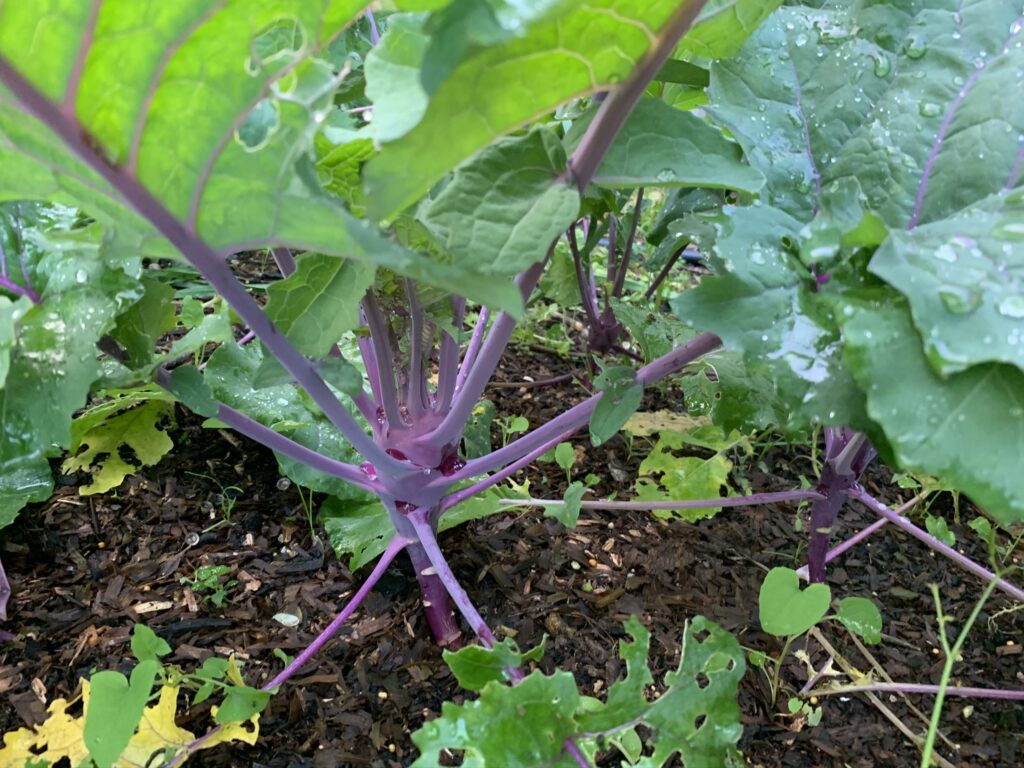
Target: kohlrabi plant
850, 172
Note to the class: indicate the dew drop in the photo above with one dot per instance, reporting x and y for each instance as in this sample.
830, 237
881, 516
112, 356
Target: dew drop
800, 41
946, 253
959, 300
882, 65
81, 276
666, 175
914, 47
929, 109
1012, 306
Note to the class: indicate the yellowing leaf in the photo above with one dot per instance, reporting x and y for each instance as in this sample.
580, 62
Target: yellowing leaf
62, 735
645, 423
135, 429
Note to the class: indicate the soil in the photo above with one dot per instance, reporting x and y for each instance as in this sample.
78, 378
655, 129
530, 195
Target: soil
86, 569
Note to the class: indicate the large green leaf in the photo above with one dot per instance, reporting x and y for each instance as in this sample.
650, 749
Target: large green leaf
664, 147
964, 279
764, 303
580, 49
503, 208
54, 363
213, 108
967, 429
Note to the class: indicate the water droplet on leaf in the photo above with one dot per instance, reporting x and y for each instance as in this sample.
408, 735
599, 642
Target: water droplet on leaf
1012, 306
929, 109
959, 300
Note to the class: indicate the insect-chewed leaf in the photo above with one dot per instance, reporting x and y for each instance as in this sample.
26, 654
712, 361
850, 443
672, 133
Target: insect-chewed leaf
528, 724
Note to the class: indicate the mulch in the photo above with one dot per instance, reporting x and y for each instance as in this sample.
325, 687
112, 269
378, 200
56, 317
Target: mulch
86, 569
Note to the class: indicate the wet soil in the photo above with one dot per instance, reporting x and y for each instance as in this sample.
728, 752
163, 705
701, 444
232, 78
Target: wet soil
86, 569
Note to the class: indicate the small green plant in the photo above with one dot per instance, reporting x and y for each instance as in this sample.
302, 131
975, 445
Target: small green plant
131, 720
226, 499
789, 612
208, 579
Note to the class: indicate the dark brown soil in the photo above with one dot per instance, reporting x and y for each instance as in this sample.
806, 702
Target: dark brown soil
85, 569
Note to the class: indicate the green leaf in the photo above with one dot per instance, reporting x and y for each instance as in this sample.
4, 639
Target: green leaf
664, 147
582, 49
937, 527
958, 276
511, 727
622, 396
565, 456
474, 666
723, 26
100, 449
241, 703
877, 93
147, 645
503, 208
568, 513
316, 305
393, 81
664, 476
964, 429
785, 609
8, 311
703, 688
862, 617
357, 528
762, 303
139, 328
190, 388
242, 174
115, 709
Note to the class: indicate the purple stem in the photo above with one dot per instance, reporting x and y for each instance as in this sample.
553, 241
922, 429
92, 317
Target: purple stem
576, 754
620, 275
660, 278
473, 348
491, 350
366, 351
415, 376
574, 418
275, 441
18, 290
491, 480
586, 294
201, 256
931, 690
436, 604
395, 546
388, 397
614, 110
855, 540
963, 561
730, 501
285, 261
374, 32
246, 338
5, 592
847, 454
428, 540
448, 359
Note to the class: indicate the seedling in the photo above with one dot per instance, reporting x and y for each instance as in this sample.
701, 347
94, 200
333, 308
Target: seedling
207, 578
